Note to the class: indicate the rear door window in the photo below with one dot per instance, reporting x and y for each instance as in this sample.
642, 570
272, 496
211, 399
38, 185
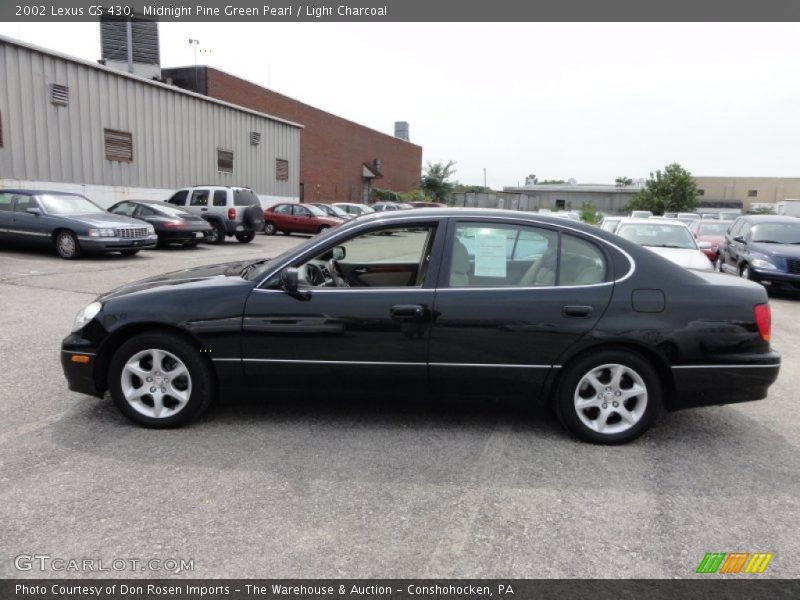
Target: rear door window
5, 202
220, 197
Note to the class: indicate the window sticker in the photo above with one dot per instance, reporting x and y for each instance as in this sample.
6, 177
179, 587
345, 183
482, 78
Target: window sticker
490, 255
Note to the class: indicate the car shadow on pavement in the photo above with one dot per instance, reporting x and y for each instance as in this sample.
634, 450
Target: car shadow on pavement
720, 449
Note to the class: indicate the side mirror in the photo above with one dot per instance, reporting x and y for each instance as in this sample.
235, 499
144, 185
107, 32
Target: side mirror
739, 239
290, 279
338, 253
34, 210
704, 245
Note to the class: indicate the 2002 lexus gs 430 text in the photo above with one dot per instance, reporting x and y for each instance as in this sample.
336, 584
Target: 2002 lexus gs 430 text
454, 301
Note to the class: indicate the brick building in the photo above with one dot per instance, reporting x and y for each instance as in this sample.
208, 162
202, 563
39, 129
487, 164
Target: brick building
339, 160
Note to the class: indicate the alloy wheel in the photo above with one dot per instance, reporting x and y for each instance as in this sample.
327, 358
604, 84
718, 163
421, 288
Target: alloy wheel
156, 383
610, 398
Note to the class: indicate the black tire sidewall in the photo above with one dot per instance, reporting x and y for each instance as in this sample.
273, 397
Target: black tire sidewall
572, 374
203, 385
220, 231
245, 237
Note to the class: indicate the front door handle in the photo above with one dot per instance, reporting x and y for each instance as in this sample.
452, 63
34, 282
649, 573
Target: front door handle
407, 311
576, 311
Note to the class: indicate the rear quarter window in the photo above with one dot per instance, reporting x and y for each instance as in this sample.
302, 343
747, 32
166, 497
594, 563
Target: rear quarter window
582, 262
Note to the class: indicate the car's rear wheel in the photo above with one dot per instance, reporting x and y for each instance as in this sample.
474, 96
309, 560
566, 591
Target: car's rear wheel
67, 245
608, 397
217, 235
160, 380
269, 228
245, 237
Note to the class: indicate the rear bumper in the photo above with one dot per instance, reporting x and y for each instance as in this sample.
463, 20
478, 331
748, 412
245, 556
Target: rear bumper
740, 378
182, 235
111, 244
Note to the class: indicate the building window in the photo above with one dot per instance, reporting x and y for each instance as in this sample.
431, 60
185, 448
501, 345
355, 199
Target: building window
59, 94
281, 169
701, 192
255, 138
119, 145
752, 193
225, 160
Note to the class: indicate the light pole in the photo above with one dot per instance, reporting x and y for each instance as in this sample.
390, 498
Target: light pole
195, 43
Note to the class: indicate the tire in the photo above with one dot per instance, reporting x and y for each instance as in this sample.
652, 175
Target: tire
323, 228
582, 411
245, 237
744, 272
284, 232
193, 391
67, 245
253, 217
129, 252
217, 235
191, 244
269, 228
718, 263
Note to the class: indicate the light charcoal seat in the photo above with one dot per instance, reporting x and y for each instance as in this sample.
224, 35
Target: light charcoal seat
459, 268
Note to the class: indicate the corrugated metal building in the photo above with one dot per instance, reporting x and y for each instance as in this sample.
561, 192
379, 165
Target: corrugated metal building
74, 125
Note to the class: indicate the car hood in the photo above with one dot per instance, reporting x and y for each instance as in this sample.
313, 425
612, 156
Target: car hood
107, 220
184, 277
784, 250
686, 257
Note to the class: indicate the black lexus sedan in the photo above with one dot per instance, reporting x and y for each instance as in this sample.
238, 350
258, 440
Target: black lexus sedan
70, 223
172, 224
457, 302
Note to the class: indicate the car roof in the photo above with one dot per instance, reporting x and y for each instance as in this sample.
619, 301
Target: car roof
770, 219
37, 192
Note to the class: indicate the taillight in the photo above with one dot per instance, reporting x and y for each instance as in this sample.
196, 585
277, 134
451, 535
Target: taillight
231, 214
174, 225
763, 320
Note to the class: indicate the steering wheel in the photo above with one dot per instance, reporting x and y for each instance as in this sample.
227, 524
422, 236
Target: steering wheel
312, 274
336, 274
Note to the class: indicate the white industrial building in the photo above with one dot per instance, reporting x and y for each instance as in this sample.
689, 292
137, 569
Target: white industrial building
78, 126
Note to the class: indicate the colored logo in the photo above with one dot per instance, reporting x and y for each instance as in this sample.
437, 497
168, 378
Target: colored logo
734, 562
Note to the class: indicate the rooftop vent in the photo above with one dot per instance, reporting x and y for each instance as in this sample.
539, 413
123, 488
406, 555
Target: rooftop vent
59, 94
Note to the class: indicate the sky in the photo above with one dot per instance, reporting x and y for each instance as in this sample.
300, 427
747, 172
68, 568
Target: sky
583, 101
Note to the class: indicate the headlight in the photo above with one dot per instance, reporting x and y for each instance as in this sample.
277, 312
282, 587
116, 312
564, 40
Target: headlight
102, 232
85, 315
150, 229
761, 263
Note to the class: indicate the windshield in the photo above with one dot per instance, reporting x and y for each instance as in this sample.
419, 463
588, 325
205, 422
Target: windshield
172, 211
777, 233
67, 204
659, 235
337, 211
316, 211
713, 228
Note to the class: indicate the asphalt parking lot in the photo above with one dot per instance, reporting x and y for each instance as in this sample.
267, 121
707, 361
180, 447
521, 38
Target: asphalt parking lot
328, 487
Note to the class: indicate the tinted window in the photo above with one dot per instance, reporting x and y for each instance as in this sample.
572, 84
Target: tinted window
5, 202
582, 263
124, 208
199, 198
245, 198
486, 255
179, 198
220, 197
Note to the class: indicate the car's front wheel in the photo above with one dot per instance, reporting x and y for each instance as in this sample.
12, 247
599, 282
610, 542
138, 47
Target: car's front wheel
67, 245
160, 380
608, 397
323, 228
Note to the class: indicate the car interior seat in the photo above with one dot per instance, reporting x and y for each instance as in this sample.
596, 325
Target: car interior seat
459, 267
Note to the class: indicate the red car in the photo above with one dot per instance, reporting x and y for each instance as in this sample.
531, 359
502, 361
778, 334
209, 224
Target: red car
712, 231
297, 218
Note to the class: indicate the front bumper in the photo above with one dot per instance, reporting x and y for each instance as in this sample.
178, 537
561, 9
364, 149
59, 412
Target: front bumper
775, 279
111, 244
78, 363
739, 378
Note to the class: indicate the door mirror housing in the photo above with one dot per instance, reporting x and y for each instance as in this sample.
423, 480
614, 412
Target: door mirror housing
739, 239
290, 279
34, 210
338, 253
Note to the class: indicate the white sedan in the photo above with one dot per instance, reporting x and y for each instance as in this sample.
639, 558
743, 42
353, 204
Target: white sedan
670, 239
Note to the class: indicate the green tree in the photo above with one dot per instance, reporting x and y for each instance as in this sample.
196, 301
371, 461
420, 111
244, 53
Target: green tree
670, 190
623, 181
589, 214
436, 182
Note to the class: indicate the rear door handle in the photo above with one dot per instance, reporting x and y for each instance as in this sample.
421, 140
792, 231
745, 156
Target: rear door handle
408, 311
576, 311
203, 209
